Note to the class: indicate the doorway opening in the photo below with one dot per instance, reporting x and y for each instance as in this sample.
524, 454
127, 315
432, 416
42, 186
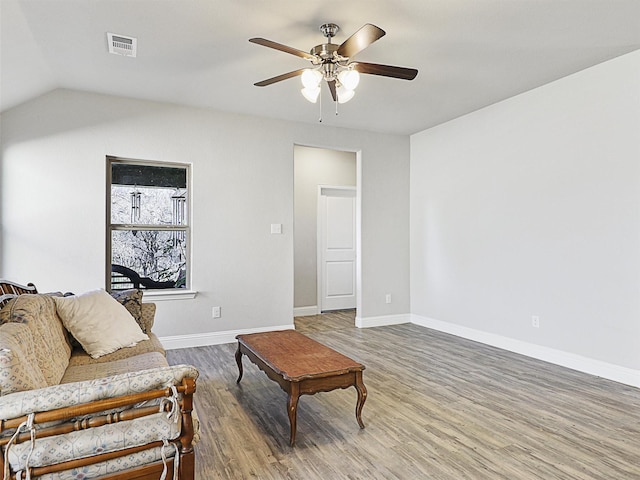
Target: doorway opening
325, 189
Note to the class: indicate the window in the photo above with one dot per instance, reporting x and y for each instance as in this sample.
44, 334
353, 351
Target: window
148, 232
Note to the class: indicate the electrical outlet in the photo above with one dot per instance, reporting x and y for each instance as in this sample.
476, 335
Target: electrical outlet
535, 321
387, 298
276, 228
216, 313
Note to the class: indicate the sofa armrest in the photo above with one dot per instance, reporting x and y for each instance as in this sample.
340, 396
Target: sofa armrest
82, 412
54, 397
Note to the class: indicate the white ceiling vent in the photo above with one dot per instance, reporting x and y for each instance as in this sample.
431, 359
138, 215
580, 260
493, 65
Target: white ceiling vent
122, 45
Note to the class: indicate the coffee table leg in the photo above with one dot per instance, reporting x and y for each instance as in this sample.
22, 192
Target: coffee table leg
239, 362
292, 409
362, 397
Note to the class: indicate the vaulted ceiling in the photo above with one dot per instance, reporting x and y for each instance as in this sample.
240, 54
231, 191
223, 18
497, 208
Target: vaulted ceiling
469, 53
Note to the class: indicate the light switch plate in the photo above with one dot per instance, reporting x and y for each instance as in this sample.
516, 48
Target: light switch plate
276, 228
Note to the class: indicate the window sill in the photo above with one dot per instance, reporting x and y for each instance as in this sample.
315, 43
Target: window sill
174, 294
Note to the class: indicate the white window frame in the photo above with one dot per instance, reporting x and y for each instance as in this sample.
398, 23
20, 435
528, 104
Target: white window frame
151, 294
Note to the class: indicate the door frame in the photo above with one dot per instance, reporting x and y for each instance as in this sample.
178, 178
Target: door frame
359, 202
319, 241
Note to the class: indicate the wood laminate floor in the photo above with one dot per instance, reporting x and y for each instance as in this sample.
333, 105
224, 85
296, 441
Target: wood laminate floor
439, 407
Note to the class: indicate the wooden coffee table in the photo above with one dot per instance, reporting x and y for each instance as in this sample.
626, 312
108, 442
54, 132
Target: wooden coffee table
301, 366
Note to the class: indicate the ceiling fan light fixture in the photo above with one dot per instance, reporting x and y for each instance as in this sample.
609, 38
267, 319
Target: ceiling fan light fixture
349, 79
311, 93
311, 78
344, 94
333, 64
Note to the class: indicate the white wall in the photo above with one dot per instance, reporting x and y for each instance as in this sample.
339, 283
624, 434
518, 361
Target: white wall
532, 207
313, 167
53, 203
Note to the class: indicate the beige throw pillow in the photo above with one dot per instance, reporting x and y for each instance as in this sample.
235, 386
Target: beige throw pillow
99, 322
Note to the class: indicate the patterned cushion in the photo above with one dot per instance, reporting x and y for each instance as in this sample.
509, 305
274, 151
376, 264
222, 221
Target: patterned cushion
19, 369
5, 311
107, 438
50, 341
121, 463
70, 394
132, 301
148, 314
110, 466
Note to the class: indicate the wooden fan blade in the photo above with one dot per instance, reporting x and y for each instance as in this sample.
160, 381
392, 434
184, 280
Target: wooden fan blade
332, 89
360, 40
283, 48
386, 70
279, 78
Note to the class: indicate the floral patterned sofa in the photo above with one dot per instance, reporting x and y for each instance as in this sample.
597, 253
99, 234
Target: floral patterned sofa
77, 404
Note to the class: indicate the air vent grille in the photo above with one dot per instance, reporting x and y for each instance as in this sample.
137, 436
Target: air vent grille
122, 45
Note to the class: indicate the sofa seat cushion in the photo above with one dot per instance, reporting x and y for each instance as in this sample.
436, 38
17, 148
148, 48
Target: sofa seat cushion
89, 371
80, 357
19, 368
86, 443
51, 343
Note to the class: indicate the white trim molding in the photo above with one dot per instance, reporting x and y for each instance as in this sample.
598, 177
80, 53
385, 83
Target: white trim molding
169, 294
213, 338
598, 368
382, 321
306, 311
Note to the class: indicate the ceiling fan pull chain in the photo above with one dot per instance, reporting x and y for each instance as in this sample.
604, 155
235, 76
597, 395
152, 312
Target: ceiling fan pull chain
320, 103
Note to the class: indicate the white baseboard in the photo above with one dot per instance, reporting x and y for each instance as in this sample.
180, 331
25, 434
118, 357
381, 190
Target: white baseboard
382, 321
598, 368
306, 311
213, 338
229, 336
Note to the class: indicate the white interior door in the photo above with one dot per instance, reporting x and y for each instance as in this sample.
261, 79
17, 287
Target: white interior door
337, 248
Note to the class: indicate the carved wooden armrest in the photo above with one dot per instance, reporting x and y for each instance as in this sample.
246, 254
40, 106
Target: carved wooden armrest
98, 413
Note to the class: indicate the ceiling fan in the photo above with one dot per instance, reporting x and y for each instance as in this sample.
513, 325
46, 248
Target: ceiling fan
334, 63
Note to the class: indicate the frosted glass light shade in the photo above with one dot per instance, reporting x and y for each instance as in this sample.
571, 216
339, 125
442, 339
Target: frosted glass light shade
311, 78
349, 78
344, 94
311, 93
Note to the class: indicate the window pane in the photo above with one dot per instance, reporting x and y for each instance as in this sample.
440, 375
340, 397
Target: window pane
148, 259
145, 205
129, 173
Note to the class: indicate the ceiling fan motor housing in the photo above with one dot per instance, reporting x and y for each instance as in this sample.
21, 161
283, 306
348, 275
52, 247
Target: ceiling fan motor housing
324, 51
329, 30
